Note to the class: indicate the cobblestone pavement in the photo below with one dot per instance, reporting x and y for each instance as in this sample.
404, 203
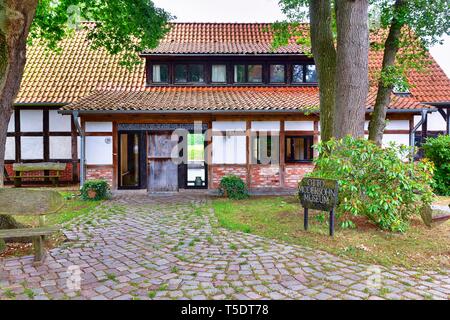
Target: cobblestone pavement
169, 247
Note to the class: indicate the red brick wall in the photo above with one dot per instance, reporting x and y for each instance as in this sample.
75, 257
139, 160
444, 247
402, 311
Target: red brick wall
100, 172
293, 173
65, 176
218, 171
265, 176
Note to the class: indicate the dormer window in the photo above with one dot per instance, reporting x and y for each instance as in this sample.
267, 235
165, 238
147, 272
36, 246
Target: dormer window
304, 73
193, 73
310, 74
218, 73
248, 73
277, 73
160, 73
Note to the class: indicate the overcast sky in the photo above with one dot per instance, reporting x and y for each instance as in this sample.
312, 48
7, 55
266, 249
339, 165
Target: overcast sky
254, 11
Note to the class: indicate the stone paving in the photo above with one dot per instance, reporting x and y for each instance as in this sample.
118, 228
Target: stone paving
170, 247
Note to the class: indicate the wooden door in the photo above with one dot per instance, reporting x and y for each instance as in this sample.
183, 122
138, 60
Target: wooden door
163, 171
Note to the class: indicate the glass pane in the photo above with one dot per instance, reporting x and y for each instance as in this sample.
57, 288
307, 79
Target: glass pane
277, 73
180, 73
160, 73
219, 73
196, 73
129, 160
299, 149
239, 73
196, 170
255, 73
297, 73
311, 75
288, 148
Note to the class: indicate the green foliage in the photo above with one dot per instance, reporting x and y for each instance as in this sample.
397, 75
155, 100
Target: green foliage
375, 182
233, 187
100, 187
121, 26
438, 151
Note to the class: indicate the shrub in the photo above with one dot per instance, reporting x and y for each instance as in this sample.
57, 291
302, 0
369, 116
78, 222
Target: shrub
438, 151
233, 187
95, 190
375, 182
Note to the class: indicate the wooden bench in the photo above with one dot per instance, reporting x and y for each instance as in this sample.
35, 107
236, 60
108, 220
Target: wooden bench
26, 202
37, 234
21, 168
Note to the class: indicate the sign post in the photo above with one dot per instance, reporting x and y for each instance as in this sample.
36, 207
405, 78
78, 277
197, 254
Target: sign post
319, 194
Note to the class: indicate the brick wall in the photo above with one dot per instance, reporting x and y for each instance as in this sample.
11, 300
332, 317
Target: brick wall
265, 176
222, 170
100, 172
295, 172
65, 176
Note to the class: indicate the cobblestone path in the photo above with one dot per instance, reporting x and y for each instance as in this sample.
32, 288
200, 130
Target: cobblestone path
169, 247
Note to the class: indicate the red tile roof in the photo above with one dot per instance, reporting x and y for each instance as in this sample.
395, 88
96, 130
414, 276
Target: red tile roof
216, 99
78, 71
223, 38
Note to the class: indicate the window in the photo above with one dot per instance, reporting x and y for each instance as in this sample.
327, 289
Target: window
297, 73
239, 73
311, 75
255, 73
189, 73
219, 73
277, 73
261, 149
248, 73
160, 73
299, 149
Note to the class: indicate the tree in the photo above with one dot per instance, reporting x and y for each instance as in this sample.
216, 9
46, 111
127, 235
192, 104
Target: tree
340, 49
407, 28
413, 25
122, 27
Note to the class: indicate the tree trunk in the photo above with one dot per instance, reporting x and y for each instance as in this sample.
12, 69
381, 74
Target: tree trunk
15, 21
383, 99
324, 52
352, 56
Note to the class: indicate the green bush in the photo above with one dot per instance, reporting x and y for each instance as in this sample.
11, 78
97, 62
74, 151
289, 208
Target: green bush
438, 151
233, 187
95, 190
375, 182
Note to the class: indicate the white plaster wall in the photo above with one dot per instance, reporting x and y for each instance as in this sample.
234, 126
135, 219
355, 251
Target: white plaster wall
98, 126
59, 122
229, 150
228, 126
31, 121
32, 148
299, 125
397, 138
435, 122
392, 125
10, 148
60, 147
265, 126
11, 124
98, 151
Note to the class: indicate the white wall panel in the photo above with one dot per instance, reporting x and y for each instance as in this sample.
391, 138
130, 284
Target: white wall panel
397, 125
299, 125
229, 126
435, 122
265, 126
59, 122
397, 138
11, 124
229, 150
60, 147
31, 121
10, 148
98, 126
32, 148
98, 151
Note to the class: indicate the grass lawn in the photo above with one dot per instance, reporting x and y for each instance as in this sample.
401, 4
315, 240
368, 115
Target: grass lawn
281, 218
74, 207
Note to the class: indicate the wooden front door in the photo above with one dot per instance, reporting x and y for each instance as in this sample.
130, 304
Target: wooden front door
162, 170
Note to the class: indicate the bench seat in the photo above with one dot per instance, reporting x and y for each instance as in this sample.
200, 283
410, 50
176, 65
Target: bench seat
28, 232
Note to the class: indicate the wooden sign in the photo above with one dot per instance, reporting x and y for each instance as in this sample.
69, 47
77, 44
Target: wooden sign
319, 194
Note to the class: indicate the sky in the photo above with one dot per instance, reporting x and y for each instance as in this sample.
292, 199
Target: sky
255, 11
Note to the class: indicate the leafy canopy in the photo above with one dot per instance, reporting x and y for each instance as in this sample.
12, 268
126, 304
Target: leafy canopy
121, 26
424, 23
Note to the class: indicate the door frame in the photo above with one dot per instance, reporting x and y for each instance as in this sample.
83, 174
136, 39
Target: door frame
185, 165
142, 160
